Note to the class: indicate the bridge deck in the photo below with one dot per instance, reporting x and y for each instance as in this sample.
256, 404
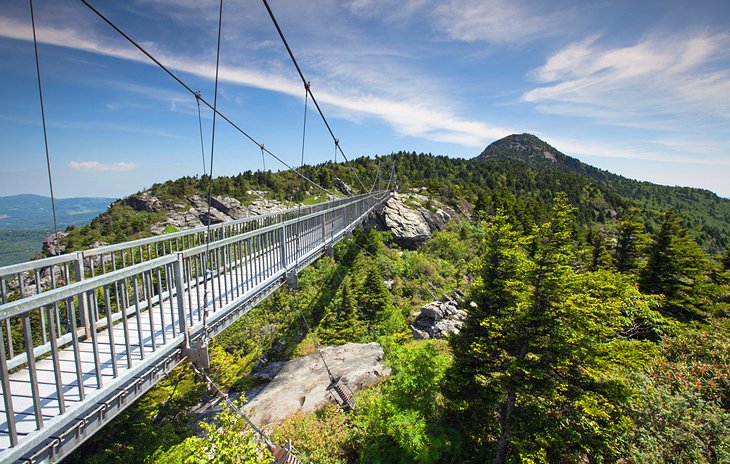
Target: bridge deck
77, 379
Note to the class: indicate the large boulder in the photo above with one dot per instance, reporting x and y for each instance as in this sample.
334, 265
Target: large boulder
343, 187
206, 213
53, 244
301, 384
144, 202
413, 218
438, 319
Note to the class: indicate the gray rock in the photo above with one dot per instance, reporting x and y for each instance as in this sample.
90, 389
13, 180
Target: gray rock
53, 244
438, 319
301, 384
144, 202
343, 187
410, 222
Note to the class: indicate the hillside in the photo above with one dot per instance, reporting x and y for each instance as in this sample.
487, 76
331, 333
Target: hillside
28, 211
519, 169
26, 219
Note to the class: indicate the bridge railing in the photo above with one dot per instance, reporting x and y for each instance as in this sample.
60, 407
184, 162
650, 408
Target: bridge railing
22, 280
156, 302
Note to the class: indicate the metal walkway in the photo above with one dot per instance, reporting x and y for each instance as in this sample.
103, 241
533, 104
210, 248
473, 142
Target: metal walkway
65, 371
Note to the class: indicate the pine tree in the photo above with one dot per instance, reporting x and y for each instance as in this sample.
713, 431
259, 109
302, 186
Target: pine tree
342, 323
375, 297
678, 269
628, 243
529, 382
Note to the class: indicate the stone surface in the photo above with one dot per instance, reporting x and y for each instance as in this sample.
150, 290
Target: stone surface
411, 222
53, 244
301, 384
438, 319
343, 187
144, 202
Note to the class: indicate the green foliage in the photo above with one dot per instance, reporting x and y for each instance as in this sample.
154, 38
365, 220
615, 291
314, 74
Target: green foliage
538, 377
678, 269
325, 436
228, 440
682, 409
400, 420
629, 243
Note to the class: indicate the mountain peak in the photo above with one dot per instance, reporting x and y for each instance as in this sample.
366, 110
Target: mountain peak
521, 146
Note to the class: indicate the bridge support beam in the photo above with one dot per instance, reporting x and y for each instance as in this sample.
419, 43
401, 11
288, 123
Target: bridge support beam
292, 279
197, 354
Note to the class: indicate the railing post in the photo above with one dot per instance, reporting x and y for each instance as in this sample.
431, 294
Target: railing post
177, 267
79, 269
282, 242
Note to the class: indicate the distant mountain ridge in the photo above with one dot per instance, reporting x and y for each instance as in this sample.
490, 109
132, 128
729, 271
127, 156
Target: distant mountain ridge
28, 211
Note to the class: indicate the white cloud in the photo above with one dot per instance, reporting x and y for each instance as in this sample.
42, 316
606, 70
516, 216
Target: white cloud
95, 166
410, 112
495, 21
676, 78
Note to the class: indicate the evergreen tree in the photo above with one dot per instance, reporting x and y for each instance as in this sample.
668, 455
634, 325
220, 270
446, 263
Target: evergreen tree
628, 243
600, 254
678, 269
342, 323
535, 379
375, 296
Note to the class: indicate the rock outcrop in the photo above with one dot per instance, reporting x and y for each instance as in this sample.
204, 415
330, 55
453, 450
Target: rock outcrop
343, 187
144, 202
53, 244
413, 218
195, 212
438, 319
301, 384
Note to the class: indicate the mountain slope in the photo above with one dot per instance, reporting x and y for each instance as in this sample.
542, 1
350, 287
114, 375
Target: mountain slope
705, 213
521, 167
28, 211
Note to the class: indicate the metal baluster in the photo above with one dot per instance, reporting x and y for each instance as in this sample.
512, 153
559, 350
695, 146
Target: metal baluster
110, 327
140, 336
7, 321
75, 343
32, 372
38, 290
162, 309
54, 359
7, 394
93, 306
125, 323
147, 283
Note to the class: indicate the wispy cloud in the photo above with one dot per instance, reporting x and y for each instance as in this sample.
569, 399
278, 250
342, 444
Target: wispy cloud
95, 166
495, 21
580, 148
413, 114
669, 79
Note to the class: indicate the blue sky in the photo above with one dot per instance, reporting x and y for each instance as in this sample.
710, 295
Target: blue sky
640, 88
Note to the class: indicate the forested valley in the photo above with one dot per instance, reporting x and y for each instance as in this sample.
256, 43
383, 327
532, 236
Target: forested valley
597, 326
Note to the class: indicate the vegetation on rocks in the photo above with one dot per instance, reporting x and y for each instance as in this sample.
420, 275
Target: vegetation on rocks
597, 327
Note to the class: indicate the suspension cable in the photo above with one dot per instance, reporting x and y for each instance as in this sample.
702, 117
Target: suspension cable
263, 158
200, 127
192, 92
309, 90
208, 270
45, 130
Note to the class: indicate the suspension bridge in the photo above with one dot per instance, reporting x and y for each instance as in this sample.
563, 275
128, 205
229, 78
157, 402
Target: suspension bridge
91, 331
84, 334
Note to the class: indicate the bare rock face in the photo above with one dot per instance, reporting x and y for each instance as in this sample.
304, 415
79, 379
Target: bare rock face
438, 319
301, 384
411, 222
144, 202
53, 244
343, 187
